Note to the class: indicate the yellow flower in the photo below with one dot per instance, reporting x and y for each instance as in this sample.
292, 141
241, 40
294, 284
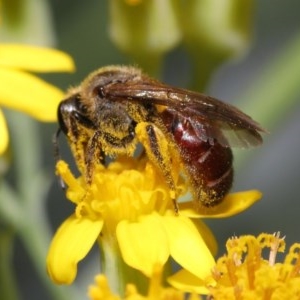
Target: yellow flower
102, 291
244, 273
22, 91
128, 207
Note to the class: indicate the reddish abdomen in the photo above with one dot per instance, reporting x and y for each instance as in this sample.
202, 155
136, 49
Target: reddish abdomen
208, 167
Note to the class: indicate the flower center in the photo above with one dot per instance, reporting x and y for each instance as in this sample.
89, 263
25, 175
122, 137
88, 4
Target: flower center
244, 273
125, 189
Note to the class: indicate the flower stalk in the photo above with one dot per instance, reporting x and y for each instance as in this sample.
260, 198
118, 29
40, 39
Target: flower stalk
117, 272
7, 277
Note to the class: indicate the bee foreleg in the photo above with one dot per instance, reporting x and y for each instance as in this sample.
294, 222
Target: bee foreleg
93, 155
157, 149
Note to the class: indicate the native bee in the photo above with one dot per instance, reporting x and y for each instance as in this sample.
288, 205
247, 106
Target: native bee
118, 107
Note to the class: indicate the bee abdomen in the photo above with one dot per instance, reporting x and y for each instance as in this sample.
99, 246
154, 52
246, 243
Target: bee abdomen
208, 166
212, 177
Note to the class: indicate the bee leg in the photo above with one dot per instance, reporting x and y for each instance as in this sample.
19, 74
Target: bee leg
157, 150
93, 155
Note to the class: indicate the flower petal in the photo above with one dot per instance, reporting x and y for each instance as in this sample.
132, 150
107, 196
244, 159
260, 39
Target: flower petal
36, 59
143, 243
3, 133
186, 281
27, 93
232, 204
71, 243
187, 246
207, 236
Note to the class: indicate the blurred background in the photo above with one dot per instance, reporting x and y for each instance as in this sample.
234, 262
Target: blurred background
81, 29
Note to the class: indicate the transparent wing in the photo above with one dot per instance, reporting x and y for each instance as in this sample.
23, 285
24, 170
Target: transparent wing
210, 118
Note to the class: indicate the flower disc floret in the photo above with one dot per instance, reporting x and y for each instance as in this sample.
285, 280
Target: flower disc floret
244, 273
124, 190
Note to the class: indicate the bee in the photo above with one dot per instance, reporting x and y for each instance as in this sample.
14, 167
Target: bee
118, 107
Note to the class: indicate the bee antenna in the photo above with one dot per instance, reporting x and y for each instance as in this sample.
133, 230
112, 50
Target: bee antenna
57, 155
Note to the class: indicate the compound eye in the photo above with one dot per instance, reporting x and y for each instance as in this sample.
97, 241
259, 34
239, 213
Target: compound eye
61, 117
80, 107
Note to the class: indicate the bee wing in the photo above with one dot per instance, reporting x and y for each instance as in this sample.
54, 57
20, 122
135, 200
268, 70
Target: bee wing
209, 117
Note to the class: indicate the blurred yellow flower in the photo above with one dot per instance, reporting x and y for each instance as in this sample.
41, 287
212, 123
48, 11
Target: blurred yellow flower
25, 92
244, 273
128, 206
102, 291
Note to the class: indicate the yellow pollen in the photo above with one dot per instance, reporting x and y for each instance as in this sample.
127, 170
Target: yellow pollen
245, 274
125, 189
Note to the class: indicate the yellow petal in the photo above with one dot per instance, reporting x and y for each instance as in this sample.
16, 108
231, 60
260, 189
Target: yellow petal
36, 59
186, 281
101, 290
3, 134
187, 246
143, 243
232, 204
29, 94
71, 243
207, 236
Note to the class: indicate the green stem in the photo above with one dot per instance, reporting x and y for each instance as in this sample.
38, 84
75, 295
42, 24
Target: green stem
117, 272
8, 286
275, 92
205, 65
150, 63
27, 155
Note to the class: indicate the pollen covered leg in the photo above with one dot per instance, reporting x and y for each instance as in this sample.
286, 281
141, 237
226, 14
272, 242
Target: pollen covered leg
77, 138
157, 149
93, 155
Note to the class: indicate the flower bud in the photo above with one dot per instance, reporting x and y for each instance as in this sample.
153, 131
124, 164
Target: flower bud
146, 30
